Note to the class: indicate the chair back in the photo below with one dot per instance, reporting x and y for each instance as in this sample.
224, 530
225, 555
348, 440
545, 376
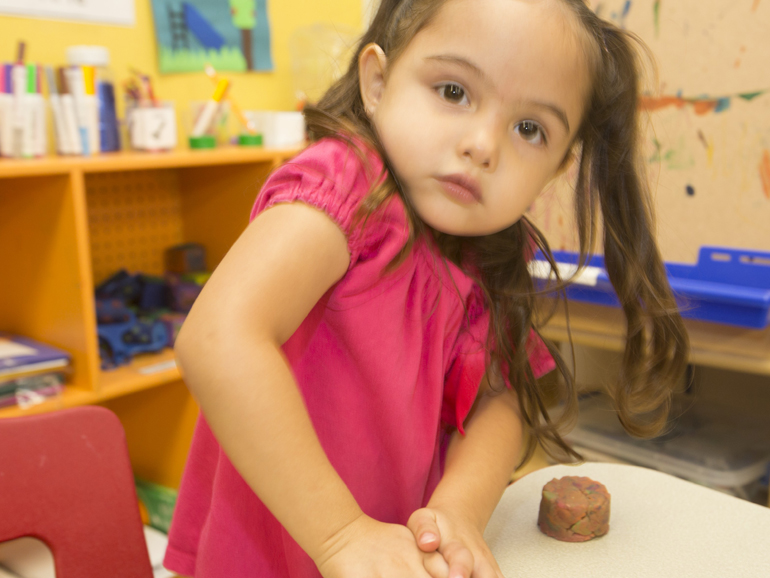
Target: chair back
66, 479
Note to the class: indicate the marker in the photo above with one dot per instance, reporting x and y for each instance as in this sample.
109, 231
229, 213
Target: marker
21, 47
91, 108
248, 125
19, 83
30, 115
69, 115
208, 112
6, 111
147, 83
77, 90
62, 137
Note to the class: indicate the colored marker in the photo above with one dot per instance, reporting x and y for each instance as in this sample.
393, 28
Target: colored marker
77, 90
62, 136
30, 115
203, 122
19, 82
248, 125
91, 106
6, 112
70, 113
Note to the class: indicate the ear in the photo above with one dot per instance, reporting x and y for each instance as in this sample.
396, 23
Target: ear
372, 65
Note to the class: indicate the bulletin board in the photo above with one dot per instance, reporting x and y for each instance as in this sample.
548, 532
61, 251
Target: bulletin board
231, 35
707, 139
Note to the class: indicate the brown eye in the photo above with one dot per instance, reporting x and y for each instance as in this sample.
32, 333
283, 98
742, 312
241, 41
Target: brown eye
531, 132
453, 93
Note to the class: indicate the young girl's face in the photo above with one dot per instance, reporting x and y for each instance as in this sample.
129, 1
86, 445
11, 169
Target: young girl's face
478, 113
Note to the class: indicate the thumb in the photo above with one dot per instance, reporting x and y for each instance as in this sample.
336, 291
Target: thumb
423, 525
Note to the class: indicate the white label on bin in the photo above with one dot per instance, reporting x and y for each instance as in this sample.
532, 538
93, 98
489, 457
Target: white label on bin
542, 270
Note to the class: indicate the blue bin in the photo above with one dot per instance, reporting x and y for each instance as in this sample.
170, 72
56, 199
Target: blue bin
730, 286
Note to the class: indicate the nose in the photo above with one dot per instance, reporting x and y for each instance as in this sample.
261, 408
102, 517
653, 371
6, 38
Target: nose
480, 145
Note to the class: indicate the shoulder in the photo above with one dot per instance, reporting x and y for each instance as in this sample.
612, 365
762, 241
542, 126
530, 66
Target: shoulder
339, 172
335, 176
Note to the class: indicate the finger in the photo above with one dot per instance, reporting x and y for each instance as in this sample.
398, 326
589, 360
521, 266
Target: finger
436, 566
484, 569
460, 560
423, 525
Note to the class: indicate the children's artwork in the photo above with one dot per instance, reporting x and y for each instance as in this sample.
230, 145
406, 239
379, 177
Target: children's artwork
231, 35
707, 126
102, 11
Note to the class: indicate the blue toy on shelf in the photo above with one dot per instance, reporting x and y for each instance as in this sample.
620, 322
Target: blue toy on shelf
730, 286
121, 333
120, 341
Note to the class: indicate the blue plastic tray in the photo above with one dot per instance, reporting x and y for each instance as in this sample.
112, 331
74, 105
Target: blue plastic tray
729, 286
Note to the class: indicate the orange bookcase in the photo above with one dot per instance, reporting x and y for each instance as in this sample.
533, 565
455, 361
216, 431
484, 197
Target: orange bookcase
68, 223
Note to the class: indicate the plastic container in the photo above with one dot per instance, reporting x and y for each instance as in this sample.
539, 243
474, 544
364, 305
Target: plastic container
218, 131
99, 57
278, 128
152, 128
712, 446
729, 286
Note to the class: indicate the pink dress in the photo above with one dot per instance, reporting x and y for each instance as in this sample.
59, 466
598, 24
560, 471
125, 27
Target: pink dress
388, 364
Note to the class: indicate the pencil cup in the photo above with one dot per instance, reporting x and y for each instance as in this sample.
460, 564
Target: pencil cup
208, 124
152, 128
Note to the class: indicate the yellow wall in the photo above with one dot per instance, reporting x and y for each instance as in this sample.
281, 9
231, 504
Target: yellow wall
47, 41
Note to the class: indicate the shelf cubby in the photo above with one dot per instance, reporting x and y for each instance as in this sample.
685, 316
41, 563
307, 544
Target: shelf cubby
66, 224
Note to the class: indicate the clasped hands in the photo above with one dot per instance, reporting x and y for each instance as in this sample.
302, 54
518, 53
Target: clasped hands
435, 543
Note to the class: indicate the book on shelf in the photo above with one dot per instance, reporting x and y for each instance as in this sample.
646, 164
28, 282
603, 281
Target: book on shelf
30, 371
31, 390
22, 356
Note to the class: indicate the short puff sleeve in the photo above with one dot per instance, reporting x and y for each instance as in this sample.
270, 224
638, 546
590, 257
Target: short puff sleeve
329, 176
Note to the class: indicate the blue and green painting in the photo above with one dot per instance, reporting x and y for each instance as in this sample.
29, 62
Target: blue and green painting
232, 35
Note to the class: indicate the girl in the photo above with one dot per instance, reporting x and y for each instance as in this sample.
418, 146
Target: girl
365, 356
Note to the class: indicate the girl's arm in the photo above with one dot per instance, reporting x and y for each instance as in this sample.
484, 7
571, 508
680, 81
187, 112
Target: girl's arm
478, 468
230, 356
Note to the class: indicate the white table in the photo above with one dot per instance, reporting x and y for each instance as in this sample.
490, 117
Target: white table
660, 527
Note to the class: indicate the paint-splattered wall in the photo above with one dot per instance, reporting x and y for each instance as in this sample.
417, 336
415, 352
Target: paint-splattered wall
708, 145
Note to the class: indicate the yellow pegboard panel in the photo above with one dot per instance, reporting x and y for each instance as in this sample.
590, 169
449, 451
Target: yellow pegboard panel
133, 217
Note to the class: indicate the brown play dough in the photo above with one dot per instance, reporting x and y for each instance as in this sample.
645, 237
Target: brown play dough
574, 509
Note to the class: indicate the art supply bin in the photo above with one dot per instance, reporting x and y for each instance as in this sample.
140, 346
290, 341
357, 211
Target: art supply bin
711, 445
729, 286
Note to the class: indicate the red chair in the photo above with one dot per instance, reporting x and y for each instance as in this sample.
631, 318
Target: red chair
65, 478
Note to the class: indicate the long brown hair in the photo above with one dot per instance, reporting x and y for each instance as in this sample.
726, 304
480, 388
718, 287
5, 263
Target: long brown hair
609, 178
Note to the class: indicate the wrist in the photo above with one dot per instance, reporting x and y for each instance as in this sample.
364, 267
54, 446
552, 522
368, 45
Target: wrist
459, 513
325, 547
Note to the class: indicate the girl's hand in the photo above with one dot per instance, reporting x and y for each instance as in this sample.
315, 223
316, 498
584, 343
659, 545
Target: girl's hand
366, 548
459, 541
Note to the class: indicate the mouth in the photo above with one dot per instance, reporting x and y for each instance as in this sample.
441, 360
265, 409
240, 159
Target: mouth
461, 187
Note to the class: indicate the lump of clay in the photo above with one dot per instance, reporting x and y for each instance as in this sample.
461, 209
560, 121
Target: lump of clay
574, 509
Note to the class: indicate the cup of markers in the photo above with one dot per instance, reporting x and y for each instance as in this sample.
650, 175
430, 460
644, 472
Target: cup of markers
248, 134
209, 119
76, 88
151, 123
23, 126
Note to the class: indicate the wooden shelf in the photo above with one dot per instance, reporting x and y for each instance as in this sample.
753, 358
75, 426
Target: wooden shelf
135, 161
711, 344
71, 222
144, 372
